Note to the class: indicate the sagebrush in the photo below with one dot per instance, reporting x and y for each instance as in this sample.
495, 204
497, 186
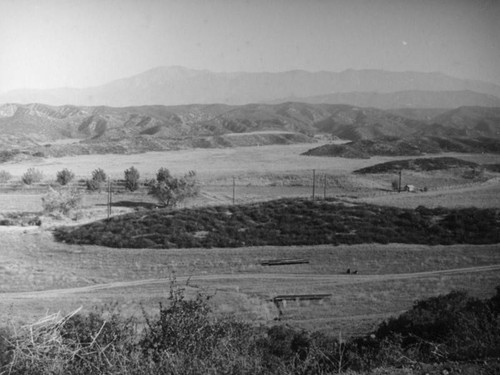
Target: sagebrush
97, 181
186, 338
287, 222
132, 177
31, 176
64, 176
61, 201
5, 176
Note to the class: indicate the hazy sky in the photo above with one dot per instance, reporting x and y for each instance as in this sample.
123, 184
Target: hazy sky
57, 43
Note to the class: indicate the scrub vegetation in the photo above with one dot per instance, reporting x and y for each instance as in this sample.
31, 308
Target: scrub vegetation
287, 222
448, 332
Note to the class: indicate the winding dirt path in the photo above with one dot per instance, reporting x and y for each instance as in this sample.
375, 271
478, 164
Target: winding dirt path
336, 279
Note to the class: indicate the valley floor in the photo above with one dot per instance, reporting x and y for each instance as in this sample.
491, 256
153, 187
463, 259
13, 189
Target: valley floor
39, 276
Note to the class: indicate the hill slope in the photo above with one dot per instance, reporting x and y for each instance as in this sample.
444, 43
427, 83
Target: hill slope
133, 129
472, 121
410, 146
82, 130
422, 164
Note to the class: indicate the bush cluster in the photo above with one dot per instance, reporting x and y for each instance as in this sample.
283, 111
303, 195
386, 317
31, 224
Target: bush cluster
132, 179
31, 176
61, 201
97, 181
287, 222
5, 176
64, 176
422, 164
450, 327
185, 338
170, 190
8, 155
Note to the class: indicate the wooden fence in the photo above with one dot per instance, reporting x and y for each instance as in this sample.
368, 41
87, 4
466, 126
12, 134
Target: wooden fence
117, 187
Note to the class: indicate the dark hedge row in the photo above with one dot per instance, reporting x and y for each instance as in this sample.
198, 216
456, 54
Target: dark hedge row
423, 164
287, 222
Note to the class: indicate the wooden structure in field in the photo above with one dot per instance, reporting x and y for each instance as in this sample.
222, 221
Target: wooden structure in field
280, 300
301, 297
283, 262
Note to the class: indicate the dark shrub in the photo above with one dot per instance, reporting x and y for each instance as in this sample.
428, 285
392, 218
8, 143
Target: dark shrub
65, 176
453, 326
99, 175
98, 179
186, 326
93, 185
132, 179
495, 302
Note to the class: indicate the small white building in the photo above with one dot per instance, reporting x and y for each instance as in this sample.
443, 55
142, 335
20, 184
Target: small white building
410, 188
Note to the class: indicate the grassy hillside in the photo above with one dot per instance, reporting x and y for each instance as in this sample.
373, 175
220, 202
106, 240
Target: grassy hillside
388, 146
42, 130
410, 146
422, 164
288, 222
477, 121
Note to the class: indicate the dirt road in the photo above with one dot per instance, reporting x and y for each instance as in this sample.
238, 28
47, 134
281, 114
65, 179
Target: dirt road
334, 279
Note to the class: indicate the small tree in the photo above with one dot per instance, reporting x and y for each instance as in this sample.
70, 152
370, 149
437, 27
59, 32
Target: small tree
171, 190
99, 175
98, 178
5, 176
395, 185
62, 202
132, 179
32, 175
65, 176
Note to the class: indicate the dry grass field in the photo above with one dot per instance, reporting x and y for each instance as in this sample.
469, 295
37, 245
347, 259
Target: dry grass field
212, 163
481, 195
40, 276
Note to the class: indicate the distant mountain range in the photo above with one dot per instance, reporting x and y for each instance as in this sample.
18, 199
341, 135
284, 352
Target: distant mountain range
406, 99
83, 129
365, 88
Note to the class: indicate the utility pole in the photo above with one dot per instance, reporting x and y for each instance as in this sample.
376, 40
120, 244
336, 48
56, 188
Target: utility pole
109, 198
314, 184
234, 189
324, 187
399, 184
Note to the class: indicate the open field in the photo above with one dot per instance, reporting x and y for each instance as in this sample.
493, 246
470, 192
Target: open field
263, 173
39, 276
483, 195
213, 163
36, 272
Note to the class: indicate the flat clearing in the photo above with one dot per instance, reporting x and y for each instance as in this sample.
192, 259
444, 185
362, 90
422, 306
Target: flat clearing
483, 195
212, 163
208, 163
